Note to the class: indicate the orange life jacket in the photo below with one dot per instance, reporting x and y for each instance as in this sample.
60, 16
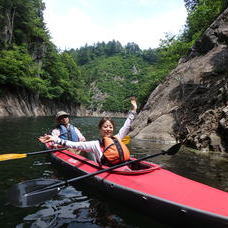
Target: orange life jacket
115, 151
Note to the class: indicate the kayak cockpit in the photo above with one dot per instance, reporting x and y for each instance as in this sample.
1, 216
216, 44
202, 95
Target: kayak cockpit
136, 168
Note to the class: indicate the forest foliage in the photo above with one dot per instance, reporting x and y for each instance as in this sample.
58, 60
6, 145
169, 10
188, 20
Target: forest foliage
100, 76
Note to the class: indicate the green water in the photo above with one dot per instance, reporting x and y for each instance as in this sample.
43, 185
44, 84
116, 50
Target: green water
19, 135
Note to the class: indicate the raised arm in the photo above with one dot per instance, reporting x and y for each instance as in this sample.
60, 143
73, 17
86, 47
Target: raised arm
131, 116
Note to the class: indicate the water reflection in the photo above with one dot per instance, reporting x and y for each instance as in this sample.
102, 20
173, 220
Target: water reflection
207, 169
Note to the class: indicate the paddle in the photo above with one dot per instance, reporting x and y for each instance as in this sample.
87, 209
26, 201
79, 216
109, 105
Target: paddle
126, 139
33, 192
4, 157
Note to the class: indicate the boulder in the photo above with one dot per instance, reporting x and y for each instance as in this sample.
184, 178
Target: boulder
191, 105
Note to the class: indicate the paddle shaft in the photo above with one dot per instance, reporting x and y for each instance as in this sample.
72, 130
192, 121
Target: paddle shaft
46, 151
113, 167
64, 183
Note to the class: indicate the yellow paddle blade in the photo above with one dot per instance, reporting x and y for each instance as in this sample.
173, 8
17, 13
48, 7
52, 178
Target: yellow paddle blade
4, 157
126, 139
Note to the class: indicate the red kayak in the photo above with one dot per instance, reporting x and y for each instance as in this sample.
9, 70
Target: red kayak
154, 191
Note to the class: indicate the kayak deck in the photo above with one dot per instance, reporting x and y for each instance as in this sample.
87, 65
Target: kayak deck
153, 181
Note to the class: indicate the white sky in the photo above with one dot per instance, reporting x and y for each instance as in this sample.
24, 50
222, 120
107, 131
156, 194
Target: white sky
75, 23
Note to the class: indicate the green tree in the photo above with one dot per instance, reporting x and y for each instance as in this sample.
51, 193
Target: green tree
113, 47
201, 13
133, 49
190, 5
150, 56
16, 64
22, 22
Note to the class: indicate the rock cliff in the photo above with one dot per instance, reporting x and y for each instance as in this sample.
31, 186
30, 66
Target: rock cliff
192, 102
21, 103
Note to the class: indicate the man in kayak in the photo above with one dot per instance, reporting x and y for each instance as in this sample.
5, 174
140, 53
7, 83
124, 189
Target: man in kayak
65, 130
110, 150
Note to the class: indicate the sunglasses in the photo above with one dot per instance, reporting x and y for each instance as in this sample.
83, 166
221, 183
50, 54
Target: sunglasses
62, 117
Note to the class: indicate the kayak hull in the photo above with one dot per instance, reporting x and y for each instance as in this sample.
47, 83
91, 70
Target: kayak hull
151, 191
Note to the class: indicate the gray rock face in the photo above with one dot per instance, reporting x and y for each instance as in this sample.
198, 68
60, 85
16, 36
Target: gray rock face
21, 103
192, 103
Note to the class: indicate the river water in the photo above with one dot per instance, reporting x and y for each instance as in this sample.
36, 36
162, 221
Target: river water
75, 207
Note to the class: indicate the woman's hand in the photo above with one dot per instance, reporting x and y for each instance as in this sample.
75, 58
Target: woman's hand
46, 138
134, 104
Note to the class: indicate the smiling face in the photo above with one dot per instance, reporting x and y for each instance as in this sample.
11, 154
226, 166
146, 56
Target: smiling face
107, 129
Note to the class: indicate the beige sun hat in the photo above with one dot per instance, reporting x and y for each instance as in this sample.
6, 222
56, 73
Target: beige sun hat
61, 113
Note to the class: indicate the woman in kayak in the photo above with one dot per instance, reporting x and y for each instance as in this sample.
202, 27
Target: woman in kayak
108, 151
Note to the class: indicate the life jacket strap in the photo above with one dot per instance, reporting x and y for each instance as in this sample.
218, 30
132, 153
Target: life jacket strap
119, 149
108, 147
